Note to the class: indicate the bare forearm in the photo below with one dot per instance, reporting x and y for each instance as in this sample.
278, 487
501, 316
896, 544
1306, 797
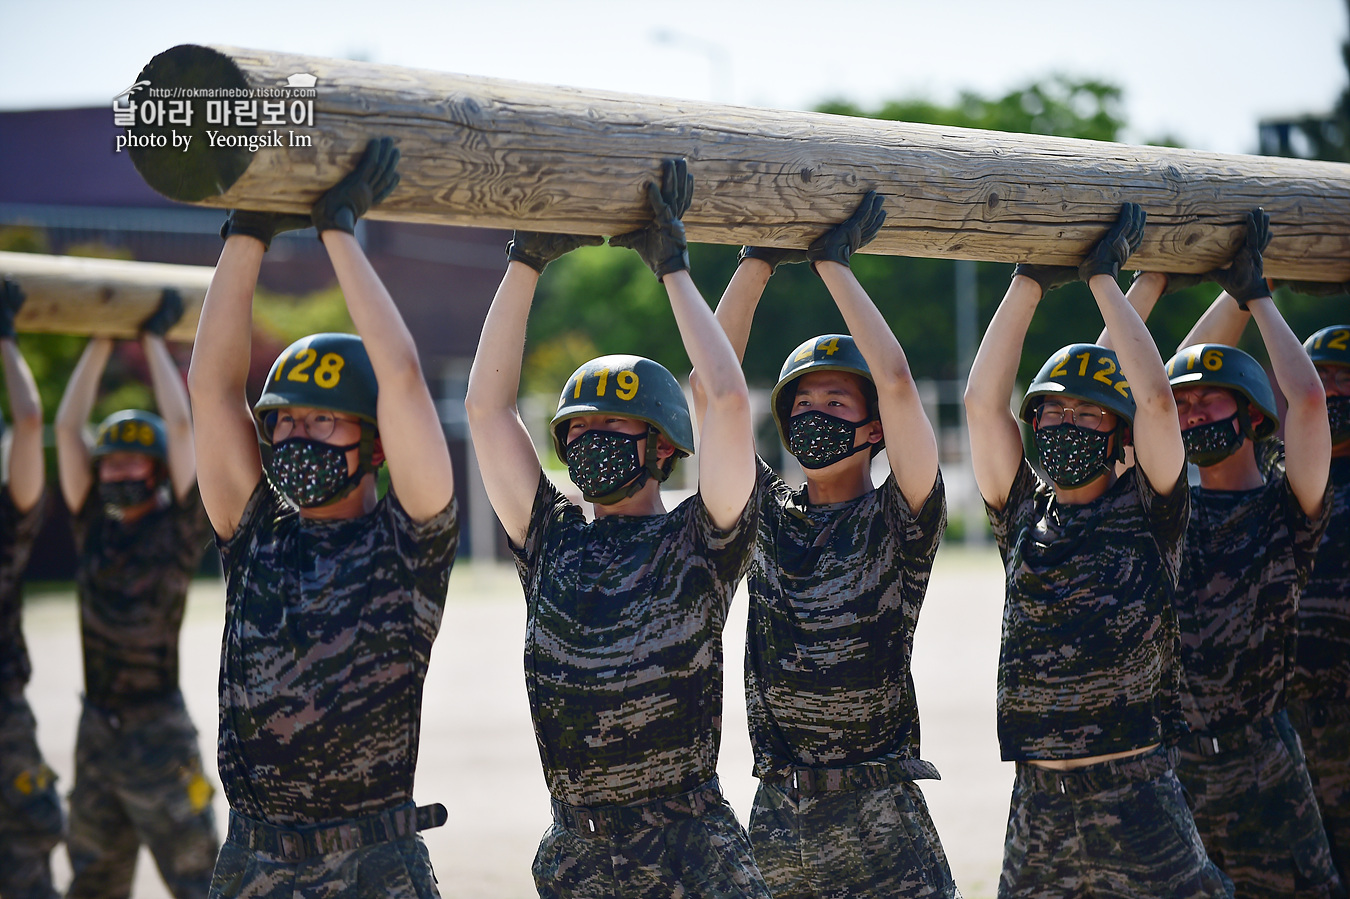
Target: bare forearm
494, 379
1223, 322
24, 403
736, 310
1294, 371
708, 348
994, 370
871, 333
389, 343
170, 392
1142, 296
220, 355
1134, 346
82, 390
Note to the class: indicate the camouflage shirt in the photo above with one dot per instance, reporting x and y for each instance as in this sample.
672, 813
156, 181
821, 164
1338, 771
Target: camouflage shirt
133, 582
623, 645
835, 593
1248, 554
328, 631
18, 530
1090, 660
1322, 673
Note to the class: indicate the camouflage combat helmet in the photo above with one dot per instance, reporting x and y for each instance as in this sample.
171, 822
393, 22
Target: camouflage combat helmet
1217, 365
1329, 346
629, 387
828, 352
321, 371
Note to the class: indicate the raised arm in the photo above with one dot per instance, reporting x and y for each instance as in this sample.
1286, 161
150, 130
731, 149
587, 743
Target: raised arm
995, 438
410, 428
73, 459
736, 311
170, 392
1144, 293
1158, 447
27, 468
726, 457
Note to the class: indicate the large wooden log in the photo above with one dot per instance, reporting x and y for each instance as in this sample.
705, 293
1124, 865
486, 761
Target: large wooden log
494, 153
101, 297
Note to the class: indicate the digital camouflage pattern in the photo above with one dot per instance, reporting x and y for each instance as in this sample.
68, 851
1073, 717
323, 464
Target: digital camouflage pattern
396, 869
1330, 773
1247, 558
1321, 688
705, 856
869, 842
18, 530
138, 779
132, 581
1112, 830
623, 668
1255, 811
30, 809
835, 594
623, 645
1089, 662
328, 631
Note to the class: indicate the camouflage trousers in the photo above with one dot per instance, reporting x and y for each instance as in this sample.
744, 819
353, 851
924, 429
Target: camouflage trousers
872, 842
378, 857
30, 808
1110, 831
1325, 735
138, 779
686, 846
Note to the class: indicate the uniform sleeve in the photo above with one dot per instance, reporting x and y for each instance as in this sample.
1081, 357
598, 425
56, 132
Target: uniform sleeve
193, 528
425, 546
728, 551
1307, 532
24, 526
263, 504
549, 506
1166, 518
1009, 521
920, 531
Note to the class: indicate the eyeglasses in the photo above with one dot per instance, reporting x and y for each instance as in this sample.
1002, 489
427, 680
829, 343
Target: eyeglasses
1335, 377
317, 425
1088, 415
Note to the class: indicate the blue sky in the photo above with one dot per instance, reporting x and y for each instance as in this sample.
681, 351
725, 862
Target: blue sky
1204, 71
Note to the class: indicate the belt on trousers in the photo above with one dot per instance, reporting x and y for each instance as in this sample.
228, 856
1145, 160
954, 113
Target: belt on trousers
800, 781
611, 820
1212, 743
1099, 776
312, 840
1319, 714
137, 712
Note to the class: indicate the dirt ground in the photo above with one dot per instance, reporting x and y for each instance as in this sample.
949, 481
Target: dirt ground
478, 753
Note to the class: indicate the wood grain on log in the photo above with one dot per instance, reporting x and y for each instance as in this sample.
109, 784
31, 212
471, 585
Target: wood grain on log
101, 297
495, 153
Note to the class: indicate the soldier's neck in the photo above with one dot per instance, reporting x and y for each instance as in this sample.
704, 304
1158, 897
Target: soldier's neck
1237, 472
646, 501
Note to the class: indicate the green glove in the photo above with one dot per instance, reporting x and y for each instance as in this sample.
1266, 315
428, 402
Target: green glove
537, 249
1243, 279
11, 301
166, 316
373, 179
775, 256
662, 244
845, 238
262, 225
1119, 244
1318, 288
1048, 276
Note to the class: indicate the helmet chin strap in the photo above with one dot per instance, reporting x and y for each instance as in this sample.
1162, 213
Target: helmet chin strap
364, 465
651, 468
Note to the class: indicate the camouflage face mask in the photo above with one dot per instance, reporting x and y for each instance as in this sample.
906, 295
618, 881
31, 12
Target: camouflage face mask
1072, 456
311, 473
818, 439
1209, 444
1338, 416
124, 494
602, 462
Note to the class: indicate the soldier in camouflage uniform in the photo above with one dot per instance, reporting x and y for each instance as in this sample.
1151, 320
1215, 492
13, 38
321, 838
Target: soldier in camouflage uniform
1320, 693
30, 810
139, 534
623, 651
1089, 674
333, 593
837, 578
1250, 544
